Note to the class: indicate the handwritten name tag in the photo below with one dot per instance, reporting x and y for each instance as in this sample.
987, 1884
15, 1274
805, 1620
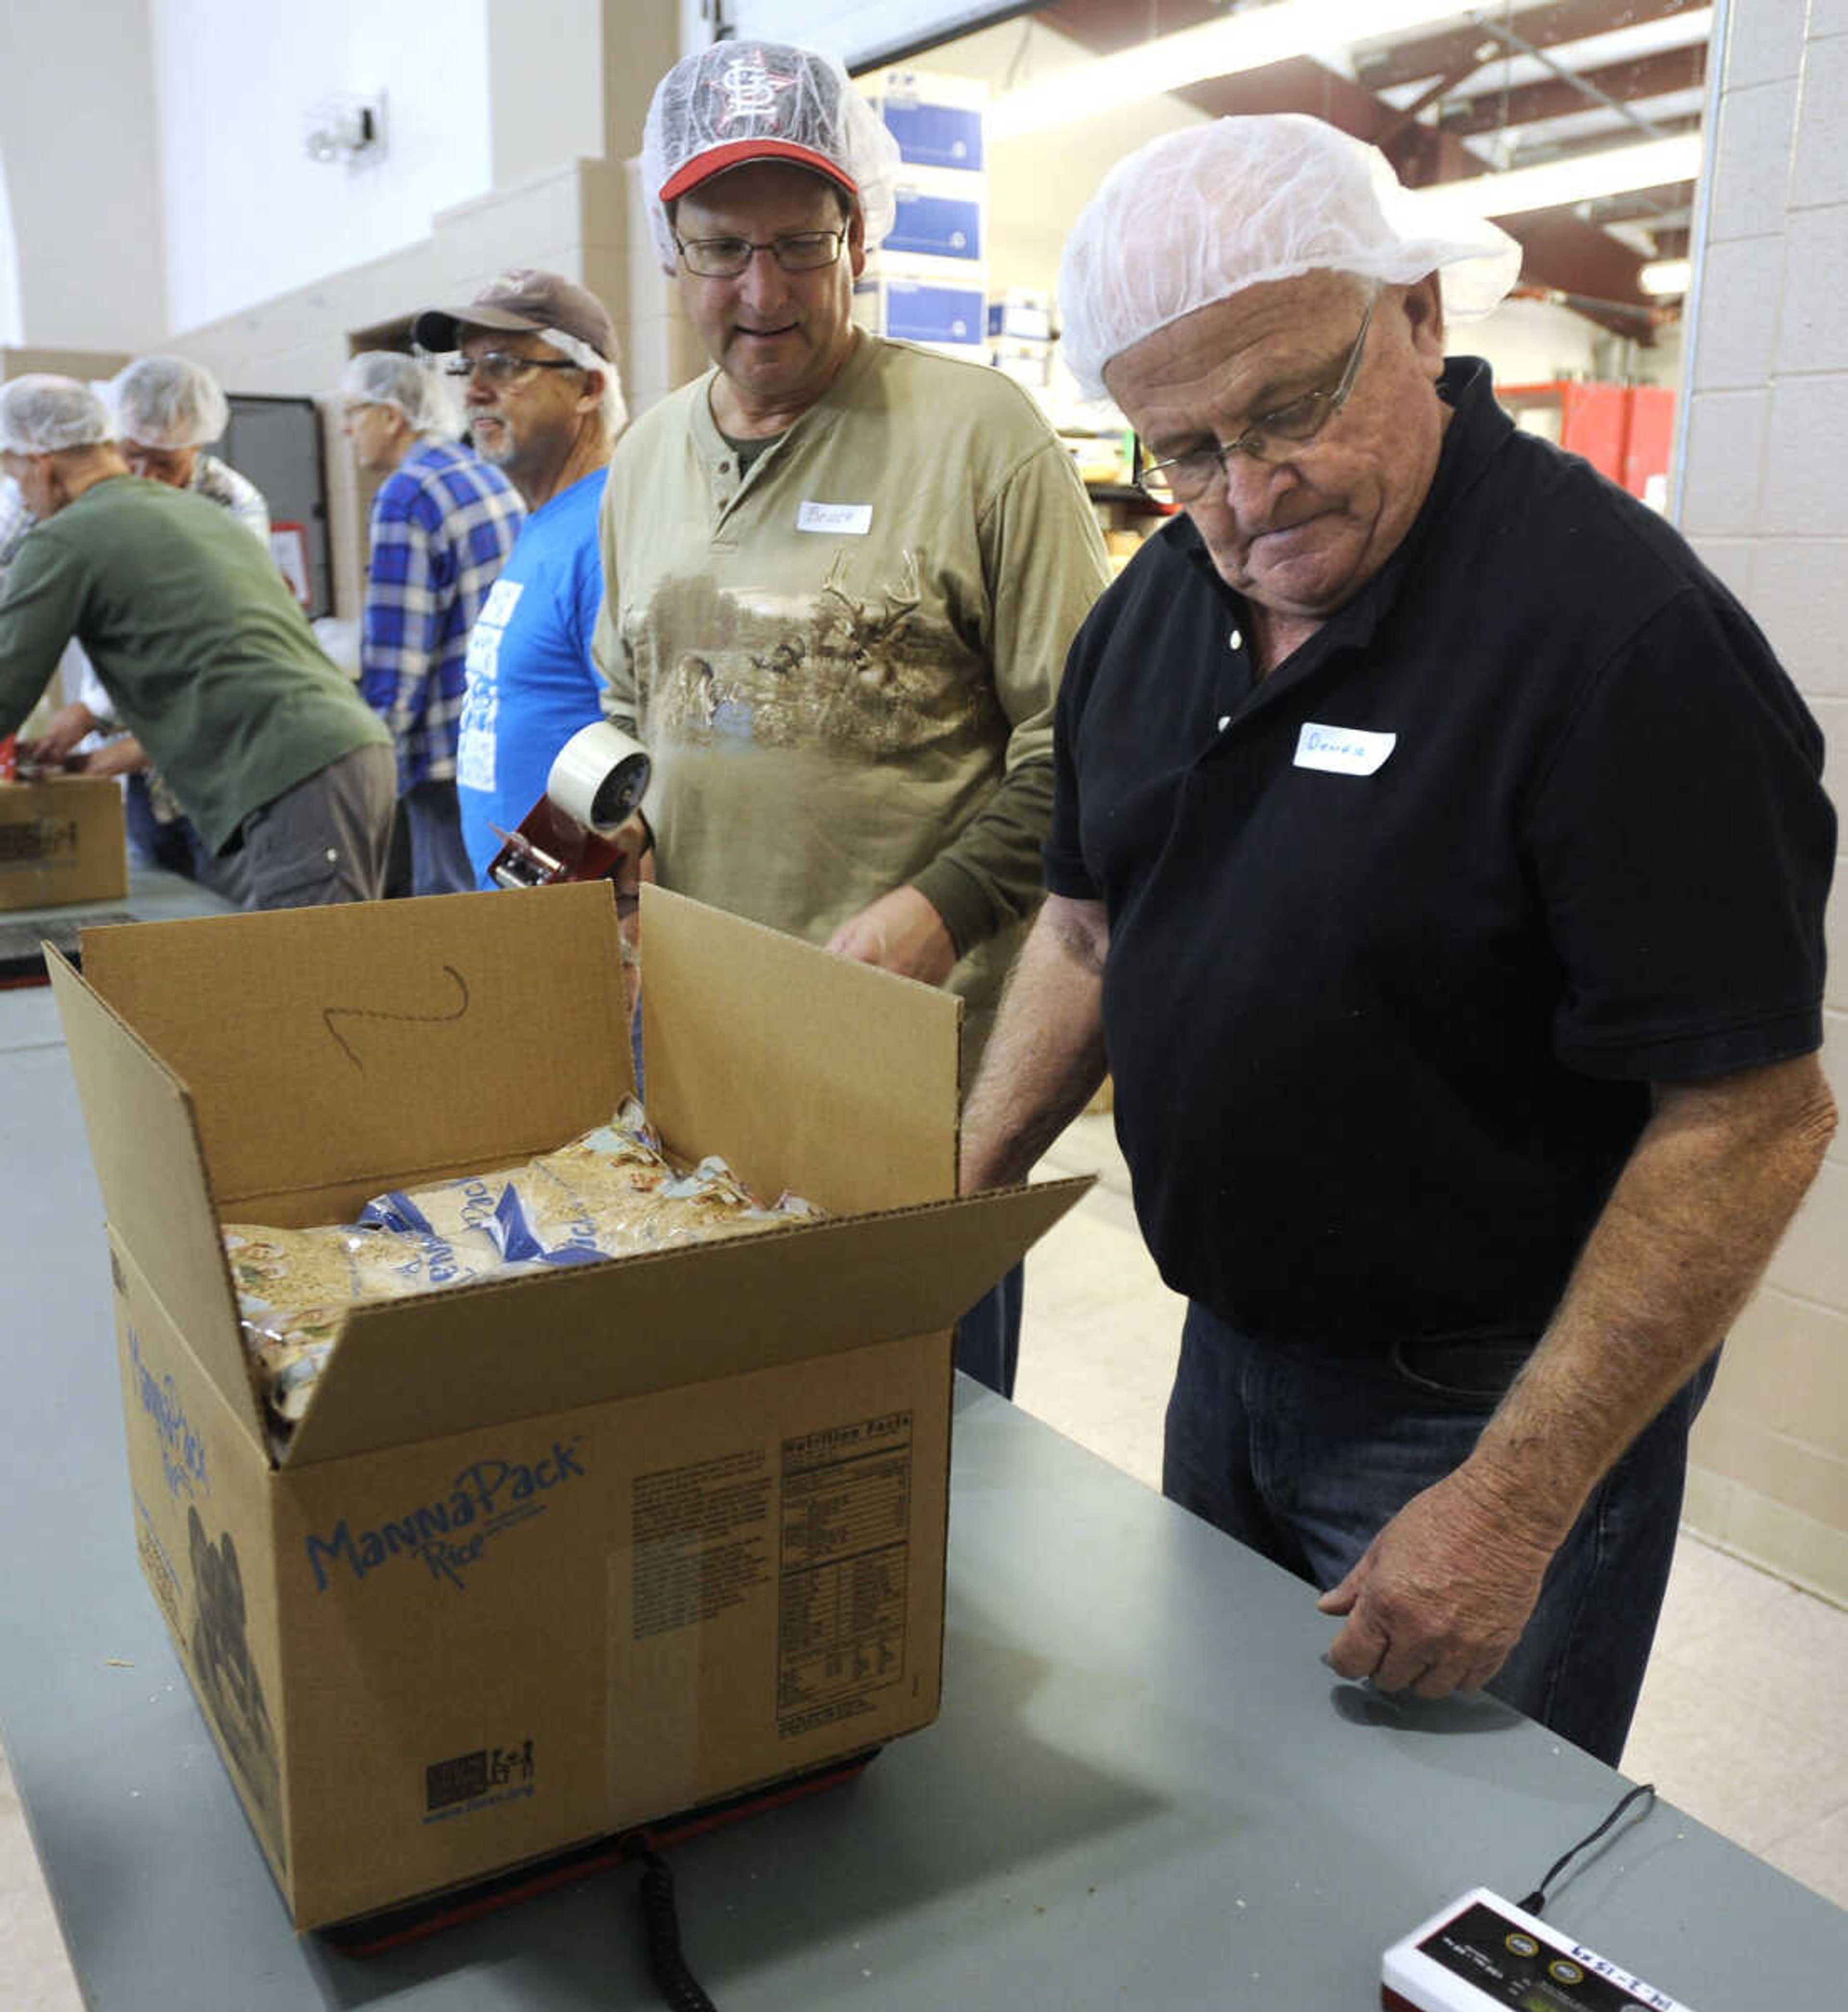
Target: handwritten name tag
1343, 751
843, 520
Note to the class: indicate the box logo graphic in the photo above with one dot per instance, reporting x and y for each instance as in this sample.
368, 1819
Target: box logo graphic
182, 1450
451, 1534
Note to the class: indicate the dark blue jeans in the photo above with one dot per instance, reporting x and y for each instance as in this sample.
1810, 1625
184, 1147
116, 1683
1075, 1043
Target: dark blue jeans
1306, 1456
988, 1336
439, 859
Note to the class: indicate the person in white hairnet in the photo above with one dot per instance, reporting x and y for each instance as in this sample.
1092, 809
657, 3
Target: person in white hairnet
1439, 857
165, 409
443, 522
168, 411
840, 572
205, 655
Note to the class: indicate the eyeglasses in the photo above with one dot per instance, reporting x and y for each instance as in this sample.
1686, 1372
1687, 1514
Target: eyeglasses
501, 367
1185, 477
725, 257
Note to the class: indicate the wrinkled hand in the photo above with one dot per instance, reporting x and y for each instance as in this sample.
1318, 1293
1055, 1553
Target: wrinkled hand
899, 932
66, 728
123, 757
1441, 1595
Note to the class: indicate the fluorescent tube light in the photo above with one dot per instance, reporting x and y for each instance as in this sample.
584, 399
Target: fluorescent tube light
1663, 277
1246, 41
1579, 178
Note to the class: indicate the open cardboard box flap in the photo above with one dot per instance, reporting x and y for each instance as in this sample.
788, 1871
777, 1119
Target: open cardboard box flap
151, 1169
284, 1067
426, 1368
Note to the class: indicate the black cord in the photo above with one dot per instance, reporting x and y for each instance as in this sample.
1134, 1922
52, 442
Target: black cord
1536, 1901
661, 1921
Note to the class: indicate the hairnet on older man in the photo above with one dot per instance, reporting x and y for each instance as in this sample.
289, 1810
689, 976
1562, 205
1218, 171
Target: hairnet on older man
165, 401
740, 101
390, 377
41, 414
1197, 215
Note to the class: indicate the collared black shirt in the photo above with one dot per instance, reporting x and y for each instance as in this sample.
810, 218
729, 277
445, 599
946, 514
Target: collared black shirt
1400, 936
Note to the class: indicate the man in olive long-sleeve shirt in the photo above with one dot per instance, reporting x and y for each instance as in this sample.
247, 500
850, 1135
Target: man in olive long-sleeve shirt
201, 647
839, 572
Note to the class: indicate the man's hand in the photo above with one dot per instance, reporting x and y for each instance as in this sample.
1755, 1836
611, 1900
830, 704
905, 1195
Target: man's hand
66, 727
123, 757
1442, 1595
900, 932
635, 869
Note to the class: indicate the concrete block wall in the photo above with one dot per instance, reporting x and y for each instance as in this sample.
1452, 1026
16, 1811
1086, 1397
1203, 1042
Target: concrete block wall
1764, 498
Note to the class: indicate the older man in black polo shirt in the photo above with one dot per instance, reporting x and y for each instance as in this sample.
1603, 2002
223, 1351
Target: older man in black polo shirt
1438, 855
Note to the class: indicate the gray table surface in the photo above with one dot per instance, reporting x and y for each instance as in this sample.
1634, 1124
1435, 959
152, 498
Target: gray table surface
1146, 1789
29, 1019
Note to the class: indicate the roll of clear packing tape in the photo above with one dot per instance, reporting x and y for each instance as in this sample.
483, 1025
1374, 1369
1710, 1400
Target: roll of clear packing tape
599, 776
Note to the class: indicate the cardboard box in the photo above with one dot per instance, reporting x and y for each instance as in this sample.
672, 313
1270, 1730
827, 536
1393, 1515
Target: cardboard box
1021, 316
920, 310
549, 1557
60, 841
935, 119
937, 216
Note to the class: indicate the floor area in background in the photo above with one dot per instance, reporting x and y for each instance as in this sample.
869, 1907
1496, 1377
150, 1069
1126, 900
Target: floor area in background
1744, 1717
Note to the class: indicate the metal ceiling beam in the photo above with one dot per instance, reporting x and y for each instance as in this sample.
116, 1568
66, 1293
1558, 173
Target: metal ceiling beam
1563, 253
1418, 57
1527, 104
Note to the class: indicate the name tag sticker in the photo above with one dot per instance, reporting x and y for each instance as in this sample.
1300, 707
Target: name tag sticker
1343, 751
843, 520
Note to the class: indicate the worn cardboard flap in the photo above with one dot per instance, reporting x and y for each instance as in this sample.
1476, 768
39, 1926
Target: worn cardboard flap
840, 1081
149, 1164
338, 1050
447, 1362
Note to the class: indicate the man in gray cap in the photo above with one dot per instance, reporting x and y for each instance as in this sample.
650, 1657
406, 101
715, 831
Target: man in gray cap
1440, 854
536, 358
203, 650
840, 572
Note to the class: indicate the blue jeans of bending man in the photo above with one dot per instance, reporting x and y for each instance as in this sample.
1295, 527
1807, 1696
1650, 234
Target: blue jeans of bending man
988, 1336
1306, 1456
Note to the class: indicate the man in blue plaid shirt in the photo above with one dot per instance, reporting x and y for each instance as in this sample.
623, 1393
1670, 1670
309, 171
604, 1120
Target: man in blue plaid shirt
443, 524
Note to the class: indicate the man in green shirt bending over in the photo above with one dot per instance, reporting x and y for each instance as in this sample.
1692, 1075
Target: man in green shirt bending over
203, 649
839, 572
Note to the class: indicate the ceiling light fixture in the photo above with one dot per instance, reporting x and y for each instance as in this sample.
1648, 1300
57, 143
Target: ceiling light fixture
1578, 178
1246, 41
1665, 277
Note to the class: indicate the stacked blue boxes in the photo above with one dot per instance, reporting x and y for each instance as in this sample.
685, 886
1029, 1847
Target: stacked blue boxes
928, 282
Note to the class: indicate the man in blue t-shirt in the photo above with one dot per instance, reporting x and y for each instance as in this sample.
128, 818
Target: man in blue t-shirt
537, 360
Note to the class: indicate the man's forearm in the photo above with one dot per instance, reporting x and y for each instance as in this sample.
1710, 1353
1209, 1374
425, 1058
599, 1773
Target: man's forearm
989, 874
1688, 1228
1047, 1054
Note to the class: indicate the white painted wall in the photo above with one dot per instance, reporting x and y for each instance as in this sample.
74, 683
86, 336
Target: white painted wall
248, 216
77, 121
11, 329
1763, 498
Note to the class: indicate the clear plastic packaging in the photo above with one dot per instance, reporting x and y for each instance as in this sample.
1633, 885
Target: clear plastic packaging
611, 1192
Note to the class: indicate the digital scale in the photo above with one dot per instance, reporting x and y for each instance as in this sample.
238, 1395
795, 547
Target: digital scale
1481, 1951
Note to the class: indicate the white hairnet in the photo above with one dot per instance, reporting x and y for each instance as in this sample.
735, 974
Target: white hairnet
41, 414
165, 401
613, 411
739, 101
1196, 216
390, 377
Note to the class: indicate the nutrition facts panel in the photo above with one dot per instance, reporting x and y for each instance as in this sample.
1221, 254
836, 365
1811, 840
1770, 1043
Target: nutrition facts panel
846, 1506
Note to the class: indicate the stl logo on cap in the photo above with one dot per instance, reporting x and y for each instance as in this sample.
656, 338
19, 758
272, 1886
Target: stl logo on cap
512, 282
750, 91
